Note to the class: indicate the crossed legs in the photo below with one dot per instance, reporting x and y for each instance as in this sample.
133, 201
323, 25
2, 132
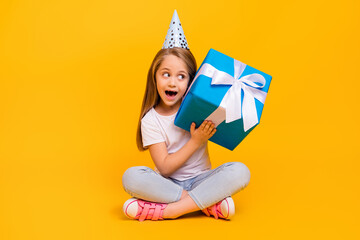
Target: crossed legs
208, 189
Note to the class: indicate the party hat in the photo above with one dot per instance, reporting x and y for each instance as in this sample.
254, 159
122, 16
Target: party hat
175, 36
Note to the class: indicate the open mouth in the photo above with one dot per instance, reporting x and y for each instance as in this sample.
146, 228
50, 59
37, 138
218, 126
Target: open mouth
170, 93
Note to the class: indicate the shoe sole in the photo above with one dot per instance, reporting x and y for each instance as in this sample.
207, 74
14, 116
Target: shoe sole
126, 206
230, 207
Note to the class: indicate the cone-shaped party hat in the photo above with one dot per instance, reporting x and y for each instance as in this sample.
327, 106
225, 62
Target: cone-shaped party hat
175, 36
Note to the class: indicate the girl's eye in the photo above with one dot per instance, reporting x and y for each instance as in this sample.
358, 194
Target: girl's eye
181, 76
166, 74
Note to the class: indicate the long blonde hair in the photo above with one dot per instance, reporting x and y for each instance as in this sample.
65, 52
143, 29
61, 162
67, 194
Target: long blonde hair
151, 96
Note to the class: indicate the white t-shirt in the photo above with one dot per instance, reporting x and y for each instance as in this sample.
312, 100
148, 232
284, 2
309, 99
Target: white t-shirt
156, 128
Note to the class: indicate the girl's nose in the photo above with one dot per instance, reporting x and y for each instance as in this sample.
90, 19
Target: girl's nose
172, 81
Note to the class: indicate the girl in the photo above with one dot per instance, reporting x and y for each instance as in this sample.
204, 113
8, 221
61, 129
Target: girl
182, 181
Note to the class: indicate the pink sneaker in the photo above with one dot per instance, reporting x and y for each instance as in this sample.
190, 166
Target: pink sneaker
139, 209
223, 209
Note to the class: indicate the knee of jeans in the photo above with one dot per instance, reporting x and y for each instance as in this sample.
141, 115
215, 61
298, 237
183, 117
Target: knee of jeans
242, 173
132, 175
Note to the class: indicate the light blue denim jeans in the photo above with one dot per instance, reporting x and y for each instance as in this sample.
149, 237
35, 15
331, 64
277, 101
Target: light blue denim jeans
205, 189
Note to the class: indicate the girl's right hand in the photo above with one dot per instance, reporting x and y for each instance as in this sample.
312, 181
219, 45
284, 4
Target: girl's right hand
201, 134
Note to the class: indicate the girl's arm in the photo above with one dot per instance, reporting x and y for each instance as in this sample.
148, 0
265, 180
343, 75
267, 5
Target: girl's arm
167, 163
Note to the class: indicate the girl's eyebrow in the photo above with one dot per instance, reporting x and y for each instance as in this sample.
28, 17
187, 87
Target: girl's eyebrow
165, 68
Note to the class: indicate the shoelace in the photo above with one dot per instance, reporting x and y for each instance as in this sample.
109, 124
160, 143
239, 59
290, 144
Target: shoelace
214, 210
150, 210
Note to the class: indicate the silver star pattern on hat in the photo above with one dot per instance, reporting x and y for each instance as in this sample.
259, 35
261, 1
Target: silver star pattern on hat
175, 36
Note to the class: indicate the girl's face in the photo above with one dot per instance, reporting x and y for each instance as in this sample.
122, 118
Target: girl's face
171, 81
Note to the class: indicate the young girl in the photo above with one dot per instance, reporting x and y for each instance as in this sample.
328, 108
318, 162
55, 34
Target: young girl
183, 181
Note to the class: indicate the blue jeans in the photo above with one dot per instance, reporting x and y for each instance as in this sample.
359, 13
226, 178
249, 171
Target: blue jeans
205, 189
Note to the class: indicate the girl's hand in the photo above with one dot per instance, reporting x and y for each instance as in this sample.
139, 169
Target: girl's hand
201, 134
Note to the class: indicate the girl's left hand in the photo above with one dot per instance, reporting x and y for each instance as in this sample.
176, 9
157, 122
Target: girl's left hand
201, 134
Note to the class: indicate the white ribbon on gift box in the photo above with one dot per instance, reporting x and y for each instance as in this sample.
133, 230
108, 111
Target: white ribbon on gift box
231, 102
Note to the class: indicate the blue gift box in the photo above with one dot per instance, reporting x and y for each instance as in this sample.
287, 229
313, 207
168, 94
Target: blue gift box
204, 100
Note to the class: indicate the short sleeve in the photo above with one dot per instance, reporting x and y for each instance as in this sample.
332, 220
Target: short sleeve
150, 132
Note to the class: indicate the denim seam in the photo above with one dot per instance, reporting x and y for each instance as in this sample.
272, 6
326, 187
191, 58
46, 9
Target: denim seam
179, 194
196, 200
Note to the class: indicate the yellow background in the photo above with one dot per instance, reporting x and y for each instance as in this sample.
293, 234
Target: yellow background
72, 79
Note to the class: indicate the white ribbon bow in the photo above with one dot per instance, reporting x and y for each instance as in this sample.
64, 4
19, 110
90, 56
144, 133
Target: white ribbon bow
232, 99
